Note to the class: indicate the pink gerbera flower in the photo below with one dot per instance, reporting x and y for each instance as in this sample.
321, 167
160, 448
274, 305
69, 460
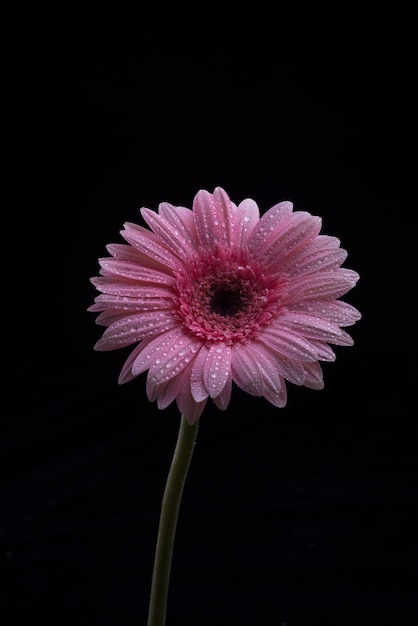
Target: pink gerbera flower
216, 295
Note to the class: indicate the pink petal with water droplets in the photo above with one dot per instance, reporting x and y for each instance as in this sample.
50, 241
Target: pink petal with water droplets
137, 303
321, 286
214, 218
126, 252
336, 311
130, 270
117, 287
313, 327
224, 397
247, 215
180, 219
291, 344
278, 399
313, 376
166, 355
274, 384
265, 230
186, 404
245, 371
291, 369
149, 244
109, 316
133, 328
197, 384
323, 350
267, 366
175, 240
164, 393
217, 368
314, 257
126, 374
295, 233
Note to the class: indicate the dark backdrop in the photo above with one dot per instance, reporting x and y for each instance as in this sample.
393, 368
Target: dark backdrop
294, 517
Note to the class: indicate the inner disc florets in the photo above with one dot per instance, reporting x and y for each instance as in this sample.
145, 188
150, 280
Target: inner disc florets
226, 299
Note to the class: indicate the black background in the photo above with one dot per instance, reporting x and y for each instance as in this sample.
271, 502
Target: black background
293, 517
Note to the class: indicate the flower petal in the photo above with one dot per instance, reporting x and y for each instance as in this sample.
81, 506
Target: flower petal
314, 378
133, 328
217, 368
335, 311
291, 369
321, 286
177, 241
289, 237
166, 355
118, 287
291, 344
149, 244
181, 220
137, 303
314, 327
247, 216
127, 374
267, 364
214, 218
197, 384
245, 371
131, 270
224, 397
317, 256
264, 231
188, 407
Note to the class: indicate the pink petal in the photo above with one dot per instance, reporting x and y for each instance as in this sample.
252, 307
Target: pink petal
335, 311
149, 244
224, 397
217, 368
166, 355
181, 220
119, 287
264, 231
191, 410
187, 405
197, 384
118, 268
214, 218
324, 351
245, 371
126, 374
279, 398
247, 216
133, 328
314, 258
125, 252
291, 344
324, 285
313, 378
314, 327
137, 303
177, 241
295, 233
165, 393
267, 365
291, 369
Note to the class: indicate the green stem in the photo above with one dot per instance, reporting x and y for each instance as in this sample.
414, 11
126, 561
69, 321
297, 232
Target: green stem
168, 522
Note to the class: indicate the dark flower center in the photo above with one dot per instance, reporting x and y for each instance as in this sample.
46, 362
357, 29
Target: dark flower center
226, 301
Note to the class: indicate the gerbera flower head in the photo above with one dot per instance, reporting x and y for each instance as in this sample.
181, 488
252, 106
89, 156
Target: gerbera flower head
217, 294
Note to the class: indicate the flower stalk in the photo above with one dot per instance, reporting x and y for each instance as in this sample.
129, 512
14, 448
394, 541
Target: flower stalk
168, 521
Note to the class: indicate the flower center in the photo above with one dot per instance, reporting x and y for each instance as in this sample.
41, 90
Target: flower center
226, 301
226, 298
